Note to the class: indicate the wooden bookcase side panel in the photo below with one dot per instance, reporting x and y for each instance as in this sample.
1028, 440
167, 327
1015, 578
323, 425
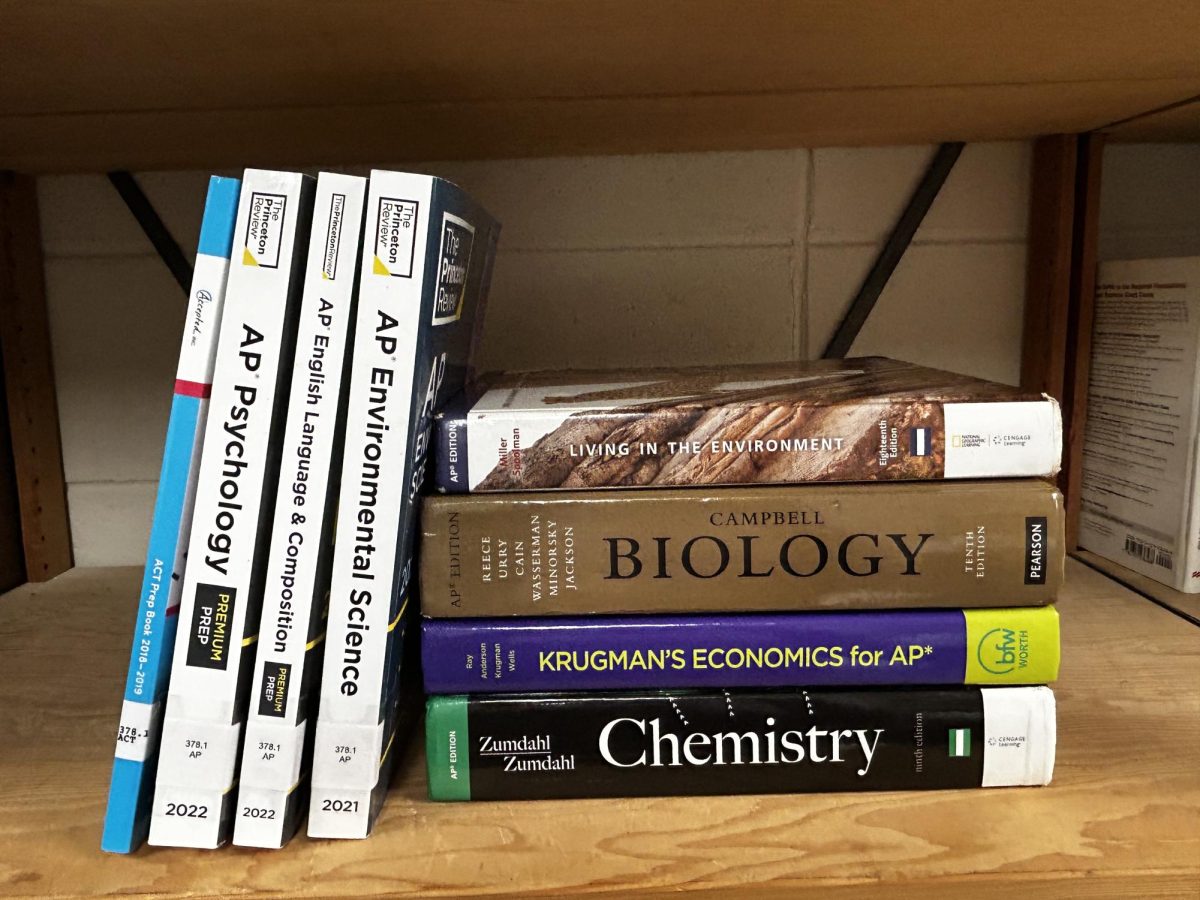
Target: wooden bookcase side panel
29, 383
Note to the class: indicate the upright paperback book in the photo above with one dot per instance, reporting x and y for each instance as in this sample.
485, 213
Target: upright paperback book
127, 820
276, 753
235, 500
1141, 446
426, 263
869, 419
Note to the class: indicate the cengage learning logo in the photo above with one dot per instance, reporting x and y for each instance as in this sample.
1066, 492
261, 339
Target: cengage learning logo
997, 651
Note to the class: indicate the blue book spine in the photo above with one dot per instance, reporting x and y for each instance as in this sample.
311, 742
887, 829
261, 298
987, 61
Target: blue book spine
127, 820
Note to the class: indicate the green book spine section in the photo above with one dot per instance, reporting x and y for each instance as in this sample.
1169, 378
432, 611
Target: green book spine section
447, 748
1012, 646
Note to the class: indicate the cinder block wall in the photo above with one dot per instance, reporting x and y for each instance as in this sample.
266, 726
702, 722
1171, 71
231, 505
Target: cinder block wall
604, 262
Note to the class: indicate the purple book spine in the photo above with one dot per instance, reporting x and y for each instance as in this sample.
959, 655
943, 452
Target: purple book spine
616, 652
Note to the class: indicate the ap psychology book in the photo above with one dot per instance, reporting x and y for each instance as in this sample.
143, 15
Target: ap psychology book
231, 527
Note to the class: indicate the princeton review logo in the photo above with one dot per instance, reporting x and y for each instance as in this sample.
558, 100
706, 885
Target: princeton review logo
264, 230
333, 236
395, 237
1002, 651
454, 262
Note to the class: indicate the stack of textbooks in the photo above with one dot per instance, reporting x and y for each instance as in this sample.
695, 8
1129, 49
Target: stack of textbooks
834, 576
328, 319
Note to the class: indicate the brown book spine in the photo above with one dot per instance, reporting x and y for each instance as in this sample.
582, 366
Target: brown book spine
817, 547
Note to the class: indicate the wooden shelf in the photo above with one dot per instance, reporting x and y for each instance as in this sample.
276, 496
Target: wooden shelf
1177, 123
1187, 605
1121, 818
136, 84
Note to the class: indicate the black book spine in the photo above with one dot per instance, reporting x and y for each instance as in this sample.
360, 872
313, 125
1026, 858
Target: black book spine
540, 746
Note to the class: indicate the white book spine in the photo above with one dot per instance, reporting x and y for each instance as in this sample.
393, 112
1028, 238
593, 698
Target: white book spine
349, 742
1140, 466
293, 598
1187, 578
1010, 439
202, 727
1021, 726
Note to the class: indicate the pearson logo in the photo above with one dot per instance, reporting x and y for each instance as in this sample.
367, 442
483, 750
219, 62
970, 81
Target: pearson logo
1035, 549
396, 237
454, 261
1002, 651
264, 230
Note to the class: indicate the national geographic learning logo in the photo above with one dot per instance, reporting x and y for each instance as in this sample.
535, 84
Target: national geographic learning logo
396, 237
968, 441
264, 230
1006, 440
454, 262
1003, 650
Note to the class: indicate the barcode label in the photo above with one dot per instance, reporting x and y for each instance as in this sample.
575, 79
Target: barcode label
1149, 553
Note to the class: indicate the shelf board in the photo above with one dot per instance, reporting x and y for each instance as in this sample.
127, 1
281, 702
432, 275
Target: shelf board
1186, 605
1178, 123
136, 84
1121, 818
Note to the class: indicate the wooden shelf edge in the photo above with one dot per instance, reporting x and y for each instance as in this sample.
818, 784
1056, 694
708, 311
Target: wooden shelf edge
1177, 123
405, 132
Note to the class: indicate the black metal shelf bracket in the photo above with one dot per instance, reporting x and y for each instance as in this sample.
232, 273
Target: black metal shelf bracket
154, 228
892, 251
